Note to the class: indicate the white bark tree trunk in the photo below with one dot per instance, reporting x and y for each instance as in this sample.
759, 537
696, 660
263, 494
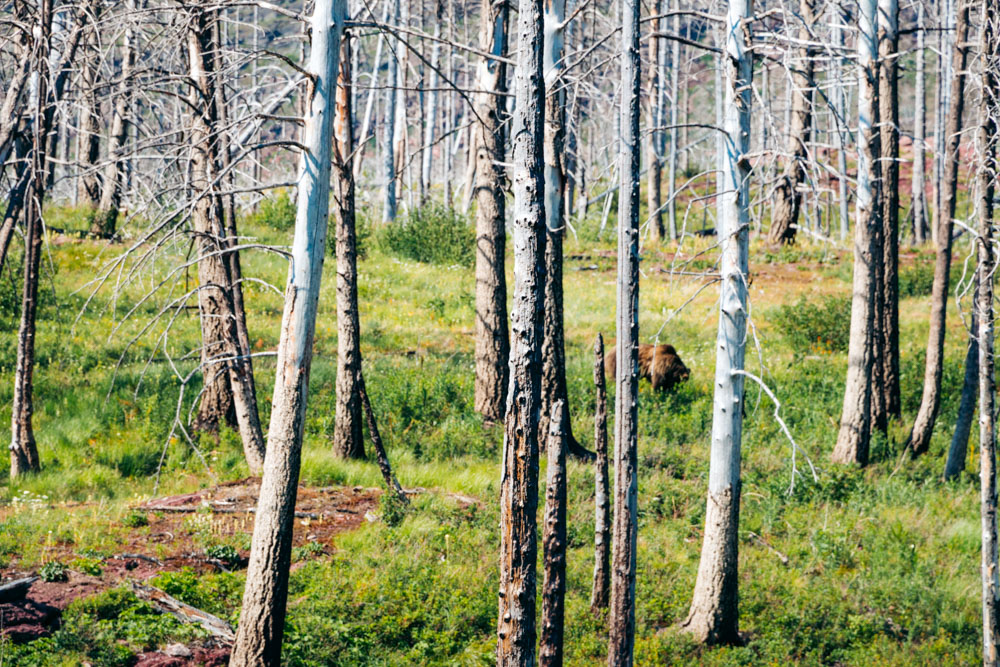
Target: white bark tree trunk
262, 620
714, 615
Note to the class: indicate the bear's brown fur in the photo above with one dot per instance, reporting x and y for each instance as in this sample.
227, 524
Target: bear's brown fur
659, 364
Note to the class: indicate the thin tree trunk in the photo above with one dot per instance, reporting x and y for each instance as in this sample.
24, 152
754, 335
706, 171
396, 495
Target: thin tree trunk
920, 437
888, 384
918, 185
856, 420
602, 499
654, 175
262, 619
550, 649
787, 193
392, 97
492, 341
372, 93
675, 132
519, 480
841, 120
430, 126
621, 624
89, 137
967, 406
23, 450
986, 178
714, 615
391, 483
348, 441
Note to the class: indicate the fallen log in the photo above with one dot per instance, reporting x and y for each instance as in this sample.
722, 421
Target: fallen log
183, 612
220, 510
16, 590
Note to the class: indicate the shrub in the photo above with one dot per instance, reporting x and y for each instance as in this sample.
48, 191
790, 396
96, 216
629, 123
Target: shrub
916, 279
434, 234
223, 552
53, 571
277, 213
363, 231
815, 326
135, 519
393, 508
92, 566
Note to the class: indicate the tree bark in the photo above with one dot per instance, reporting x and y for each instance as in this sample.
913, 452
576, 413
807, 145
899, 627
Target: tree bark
262, 620
714, 615
787, 193
856, 423
986, 178
840, 105
621, 625
430, 126
675, 131
492, 341
391, 483
602, 503
89, 136
918, 185
23, 449
392, 99
923, 427
654, 175
955, 463
550, 649
519, 481
348, 441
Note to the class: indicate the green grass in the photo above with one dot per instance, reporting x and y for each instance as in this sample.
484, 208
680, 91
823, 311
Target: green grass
882, 564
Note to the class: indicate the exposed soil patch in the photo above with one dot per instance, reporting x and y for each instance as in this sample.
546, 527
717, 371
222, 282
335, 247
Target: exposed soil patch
174, 539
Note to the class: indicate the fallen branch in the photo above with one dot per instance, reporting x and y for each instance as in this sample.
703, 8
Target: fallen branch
148, 559
184, 612
220, 510
383, 459
760, 540
16, 590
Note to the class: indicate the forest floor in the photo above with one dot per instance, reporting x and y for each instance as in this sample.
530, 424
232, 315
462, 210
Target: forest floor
872, 567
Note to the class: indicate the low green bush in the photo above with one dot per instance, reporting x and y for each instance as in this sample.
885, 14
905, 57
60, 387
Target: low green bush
916, 279
433, 234
277, 213
820, 325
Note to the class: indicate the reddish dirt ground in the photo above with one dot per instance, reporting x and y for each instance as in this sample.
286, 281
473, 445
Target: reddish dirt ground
168, 544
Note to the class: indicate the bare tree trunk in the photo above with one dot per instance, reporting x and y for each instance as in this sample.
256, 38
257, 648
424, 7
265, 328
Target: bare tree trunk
888, 97
714, 615
492, 342
391, 483
654, 175
602, 503
519, 481
675, 132
89, 137
23, 450
392, 99
967, 406
839, 105
262, 619
787, 193
986, 178
856, 420
918, 185
920, 437
621, 624
550, 649
430, 126
348, 441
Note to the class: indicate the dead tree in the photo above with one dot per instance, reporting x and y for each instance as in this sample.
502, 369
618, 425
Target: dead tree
550, 648
602, 498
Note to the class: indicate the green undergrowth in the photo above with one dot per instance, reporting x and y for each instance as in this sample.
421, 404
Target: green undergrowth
873, 567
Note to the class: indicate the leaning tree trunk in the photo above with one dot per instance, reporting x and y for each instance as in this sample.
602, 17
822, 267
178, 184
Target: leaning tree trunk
888, 97
955, 463
714, 615
920, 437
986, 178
492, 342
262, 619
855, 423
519, 480
348, 441
602, 503
787, 193
23, 450
550, 646
621, 624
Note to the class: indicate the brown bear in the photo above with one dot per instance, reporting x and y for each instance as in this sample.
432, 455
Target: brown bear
657, 363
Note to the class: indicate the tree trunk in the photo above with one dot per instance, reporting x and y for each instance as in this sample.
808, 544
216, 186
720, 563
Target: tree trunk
392, 97
89, 137
840, 106
492, 342
519, 481
262, 619
986, 177
918, 185
23, 450
888, 97
675, 132
348, 441
391, 483
602, 503
967, 406
621, 625
654, 175
550, 649
714, 615
787, 193
920, 437
430, 126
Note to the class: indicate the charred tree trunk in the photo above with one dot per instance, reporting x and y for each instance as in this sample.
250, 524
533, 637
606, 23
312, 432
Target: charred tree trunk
967, 406
89, 137
920, 437
262, 619
714, 615
550, 649
787, 193
856, 420
602, 499
519, 481
348, 441
492, 341
621, 625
